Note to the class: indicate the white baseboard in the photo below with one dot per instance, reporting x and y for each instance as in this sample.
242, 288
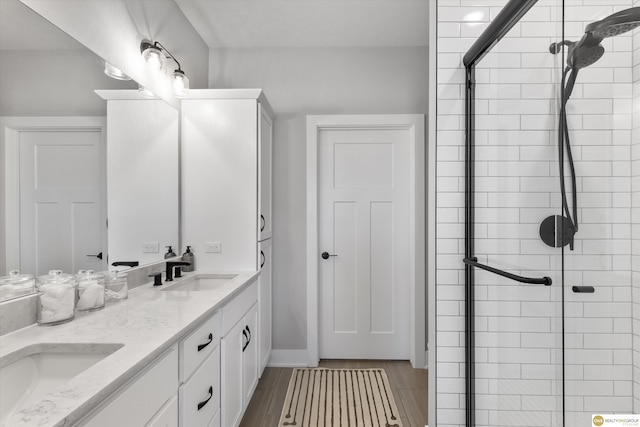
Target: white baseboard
288, 358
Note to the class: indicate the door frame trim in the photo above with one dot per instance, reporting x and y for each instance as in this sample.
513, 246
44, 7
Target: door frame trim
415, 123
10, 127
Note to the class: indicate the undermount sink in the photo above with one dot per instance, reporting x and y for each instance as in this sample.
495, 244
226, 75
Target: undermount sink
201, 283
30, 373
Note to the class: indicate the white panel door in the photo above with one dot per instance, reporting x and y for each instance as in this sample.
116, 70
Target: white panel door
61, 210
363, 204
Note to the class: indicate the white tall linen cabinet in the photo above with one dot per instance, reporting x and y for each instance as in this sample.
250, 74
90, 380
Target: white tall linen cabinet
226, 171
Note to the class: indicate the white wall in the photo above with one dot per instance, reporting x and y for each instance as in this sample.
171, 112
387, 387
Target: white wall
517, 326
54, 83
114, 29
301, 81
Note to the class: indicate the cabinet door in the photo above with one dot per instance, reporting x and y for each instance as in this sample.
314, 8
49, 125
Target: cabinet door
232, 394
167, 416
264, 328
265, 159
126, 407
250, 355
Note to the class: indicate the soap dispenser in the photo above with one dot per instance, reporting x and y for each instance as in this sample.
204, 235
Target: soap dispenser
170, 253
190, 258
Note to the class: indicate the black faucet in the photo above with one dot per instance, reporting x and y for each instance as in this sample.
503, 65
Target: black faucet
157, 278
169, 271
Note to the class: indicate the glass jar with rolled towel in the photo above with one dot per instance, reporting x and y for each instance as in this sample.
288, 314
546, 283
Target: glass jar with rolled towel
15, 285
115, 285
56, 298
90, 287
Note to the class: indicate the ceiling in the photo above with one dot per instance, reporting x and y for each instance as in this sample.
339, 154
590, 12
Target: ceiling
309, 23
256, 23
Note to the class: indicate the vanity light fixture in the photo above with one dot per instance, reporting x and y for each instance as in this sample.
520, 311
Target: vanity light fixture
144, 92
155, 55
114, 73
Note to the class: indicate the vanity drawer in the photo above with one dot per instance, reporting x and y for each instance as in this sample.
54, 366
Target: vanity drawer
238, 306
216, 421
198, 345
200, 395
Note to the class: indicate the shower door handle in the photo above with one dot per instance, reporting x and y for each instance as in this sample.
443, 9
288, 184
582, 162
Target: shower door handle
583, 289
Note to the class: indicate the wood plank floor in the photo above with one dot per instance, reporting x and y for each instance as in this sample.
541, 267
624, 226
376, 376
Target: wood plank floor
409, 390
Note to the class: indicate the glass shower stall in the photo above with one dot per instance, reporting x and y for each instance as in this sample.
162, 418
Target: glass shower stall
552, 214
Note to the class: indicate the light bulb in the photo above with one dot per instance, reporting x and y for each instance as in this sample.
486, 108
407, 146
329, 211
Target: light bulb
144, 92
180, 83
154, 58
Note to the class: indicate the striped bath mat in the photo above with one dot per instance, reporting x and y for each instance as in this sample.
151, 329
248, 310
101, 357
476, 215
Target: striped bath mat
339, 397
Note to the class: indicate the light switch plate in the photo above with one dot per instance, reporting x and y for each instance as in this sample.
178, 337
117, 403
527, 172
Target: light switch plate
212, 247
150, 247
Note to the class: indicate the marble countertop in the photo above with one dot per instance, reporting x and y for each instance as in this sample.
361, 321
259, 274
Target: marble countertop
146, 324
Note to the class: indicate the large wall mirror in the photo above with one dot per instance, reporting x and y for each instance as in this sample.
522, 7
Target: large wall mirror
55, 146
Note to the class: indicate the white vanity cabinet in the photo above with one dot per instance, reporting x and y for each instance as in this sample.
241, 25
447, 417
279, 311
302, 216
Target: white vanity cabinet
239, 348
227, 165
149, 399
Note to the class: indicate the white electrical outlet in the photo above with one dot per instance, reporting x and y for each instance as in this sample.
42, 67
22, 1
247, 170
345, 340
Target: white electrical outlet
212, 247
150, 247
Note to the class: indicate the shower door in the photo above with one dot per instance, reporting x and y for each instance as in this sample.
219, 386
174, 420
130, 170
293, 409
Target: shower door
518, 327
598, 374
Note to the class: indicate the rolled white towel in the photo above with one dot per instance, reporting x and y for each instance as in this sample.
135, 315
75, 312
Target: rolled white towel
90, 295
56, 303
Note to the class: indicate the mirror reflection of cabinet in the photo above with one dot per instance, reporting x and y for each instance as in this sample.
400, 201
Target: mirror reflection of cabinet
142, 177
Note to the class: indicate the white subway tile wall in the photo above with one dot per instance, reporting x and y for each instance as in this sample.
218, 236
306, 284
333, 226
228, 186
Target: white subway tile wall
518, 340
634, 294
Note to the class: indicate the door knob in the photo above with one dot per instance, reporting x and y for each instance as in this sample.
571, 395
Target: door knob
326, 255
99, 256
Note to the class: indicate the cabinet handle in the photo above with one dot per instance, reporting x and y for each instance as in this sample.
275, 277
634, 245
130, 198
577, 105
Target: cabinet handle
201, 346
246, 340
249, 331
204, 402
263, 259
264, 222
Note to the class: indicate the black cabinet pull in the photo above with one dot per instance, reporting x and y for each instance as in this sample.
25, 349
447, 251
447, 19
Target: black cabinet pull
264, 222
583, 289
201, 346
246, 340
263, 259
249, 332
204, 402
